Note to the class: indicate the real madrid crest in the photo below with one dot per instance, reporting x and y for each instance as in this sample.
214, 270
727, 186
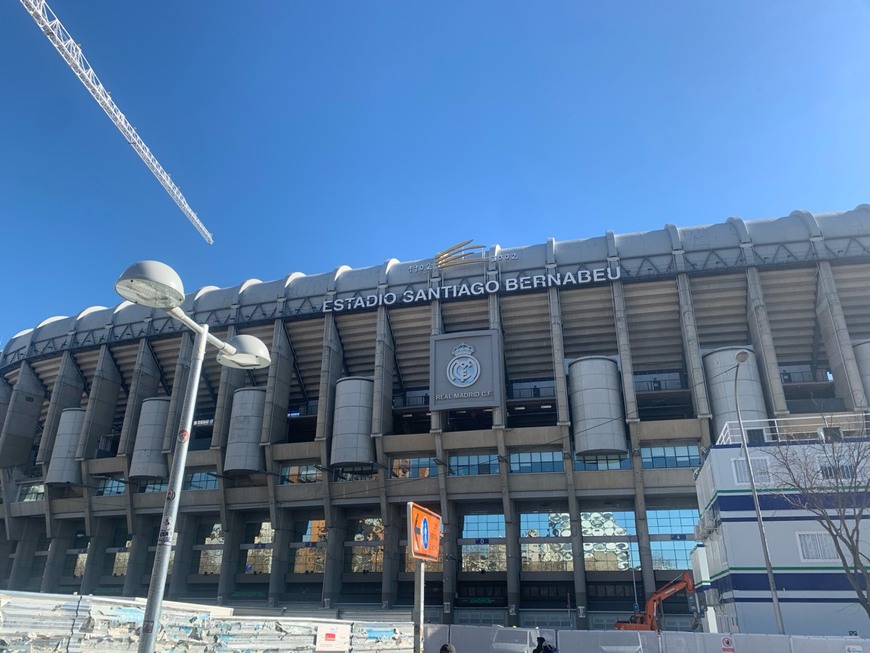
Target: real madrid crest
463, 369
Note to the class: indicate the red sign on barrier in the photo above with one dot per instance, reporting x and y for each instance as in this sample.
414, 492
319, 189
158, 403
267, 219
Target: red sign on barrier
424, 532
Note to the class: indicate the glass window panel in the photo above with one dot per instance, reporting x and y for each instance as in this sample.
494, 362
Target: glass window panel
671, 554
609, 556
543, 524
308, 560
547, 556
607, 523
364, 559
484, 557
483, 526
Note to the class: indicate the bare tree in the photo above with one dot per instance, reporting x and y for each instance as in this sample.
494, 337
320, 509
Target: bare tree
828, 477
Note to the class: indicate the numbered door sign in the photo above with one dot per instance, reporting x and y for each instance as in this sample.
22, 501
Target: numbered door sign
424, 532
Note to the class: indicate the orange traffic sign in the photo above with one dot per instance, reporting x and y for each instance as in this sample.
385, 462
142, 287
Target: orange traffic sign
424, 532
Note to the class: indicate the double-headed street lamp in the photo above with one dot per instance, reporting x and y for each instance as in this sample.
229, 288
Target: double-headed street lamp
155, 284
741, 357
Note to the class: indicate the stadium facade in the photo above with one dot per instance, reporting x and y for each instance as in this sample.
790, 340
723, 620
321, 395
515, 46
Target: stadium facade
551, 402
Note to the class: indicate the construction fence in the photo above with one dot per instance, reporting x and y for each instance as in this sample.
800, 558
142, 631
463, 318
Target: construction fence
43, 623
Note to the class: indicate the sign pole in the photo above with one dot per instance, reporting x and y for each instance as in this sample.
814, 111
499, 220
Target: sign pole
424, 543
419, 605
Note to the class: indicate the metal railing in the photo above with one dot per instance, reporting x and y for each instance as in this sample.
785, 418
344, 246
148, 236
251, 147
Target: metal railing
817, 427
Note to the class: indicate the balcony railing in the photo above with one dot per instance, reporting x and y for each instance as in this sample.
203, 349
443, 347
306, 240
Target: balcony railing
669, 381
824, 428
532, 393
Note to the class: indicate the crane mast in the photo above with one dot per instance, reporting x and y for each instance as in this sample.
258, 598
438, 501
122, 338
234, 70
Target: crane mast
70, 51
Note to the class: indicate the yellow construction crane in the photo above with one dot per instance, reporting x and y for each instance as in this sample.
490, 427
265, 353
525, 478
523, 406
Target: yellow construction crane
70, 51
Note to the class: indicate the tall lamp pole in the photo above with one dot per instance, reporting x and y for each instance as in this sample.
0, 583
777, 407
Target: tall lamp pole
741, 357
155, 284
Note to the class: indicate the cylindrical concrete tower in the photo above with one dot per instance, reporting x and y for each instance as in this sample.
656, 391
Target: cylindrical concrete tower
720, 366
598, 417
244, 453
352, 427
63, 466
148, 460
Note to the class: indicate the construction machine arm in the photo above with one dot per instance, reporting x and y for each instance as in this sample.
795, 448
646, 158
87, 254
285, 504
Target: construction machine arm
71, 52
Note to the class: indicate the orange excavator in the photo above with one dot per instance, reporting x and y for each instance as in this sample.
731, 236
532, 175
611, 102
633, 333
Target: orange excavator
648, 619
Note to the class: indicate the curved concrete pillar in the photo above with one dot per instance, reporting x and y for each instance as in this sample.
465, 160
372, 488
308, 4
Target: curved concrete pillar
148, 460
244, 453
720, 366
598, 423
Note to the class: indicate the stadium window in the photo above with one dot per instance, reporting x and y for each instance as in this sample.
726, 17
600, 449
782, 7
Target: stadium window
300, 473
414, 467
536, 462
200, 481
110, 487
473, 465
153, 485
31, 492
670, 457
603, 462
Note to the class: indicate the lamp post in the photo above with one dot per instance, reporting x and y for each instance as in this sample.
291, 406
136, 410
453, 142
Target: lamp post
155, 284
741, 357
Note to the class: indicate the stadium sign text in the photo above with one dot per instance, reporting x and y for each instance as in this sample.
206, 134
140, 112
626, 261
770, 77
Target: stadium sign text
476, 289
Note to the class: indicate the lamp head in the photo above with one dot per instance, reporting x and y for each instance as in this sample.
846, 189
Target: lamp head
250, 353
151, 283
741, 356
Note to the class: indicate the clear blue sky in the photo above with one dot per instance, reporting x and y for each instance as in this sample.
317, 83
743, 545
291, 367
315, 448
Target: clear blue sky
311, 134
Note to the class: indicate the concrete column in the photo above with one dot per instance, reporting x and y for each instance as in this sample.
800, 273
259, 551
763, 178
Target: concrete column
230, 381
143, 385
448, 510
5, 398
514, 562
22, 418
66, 393
640, 520
282, 538
138, 560
234, 529
382, 423
22, 562
384, 377
100, 411
278, 386
763, 345
5, 561
557, 340
101, 538
623, 345
392, 559
181, 563
437, 416
452, 561
692, 351
499, 413
580, 593
179, 388
838, 343
331, 369
64, 537
337, 526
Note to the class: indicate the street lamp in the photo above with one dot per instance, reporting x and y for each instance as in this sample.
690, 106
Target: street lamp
741, 357
155, 284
